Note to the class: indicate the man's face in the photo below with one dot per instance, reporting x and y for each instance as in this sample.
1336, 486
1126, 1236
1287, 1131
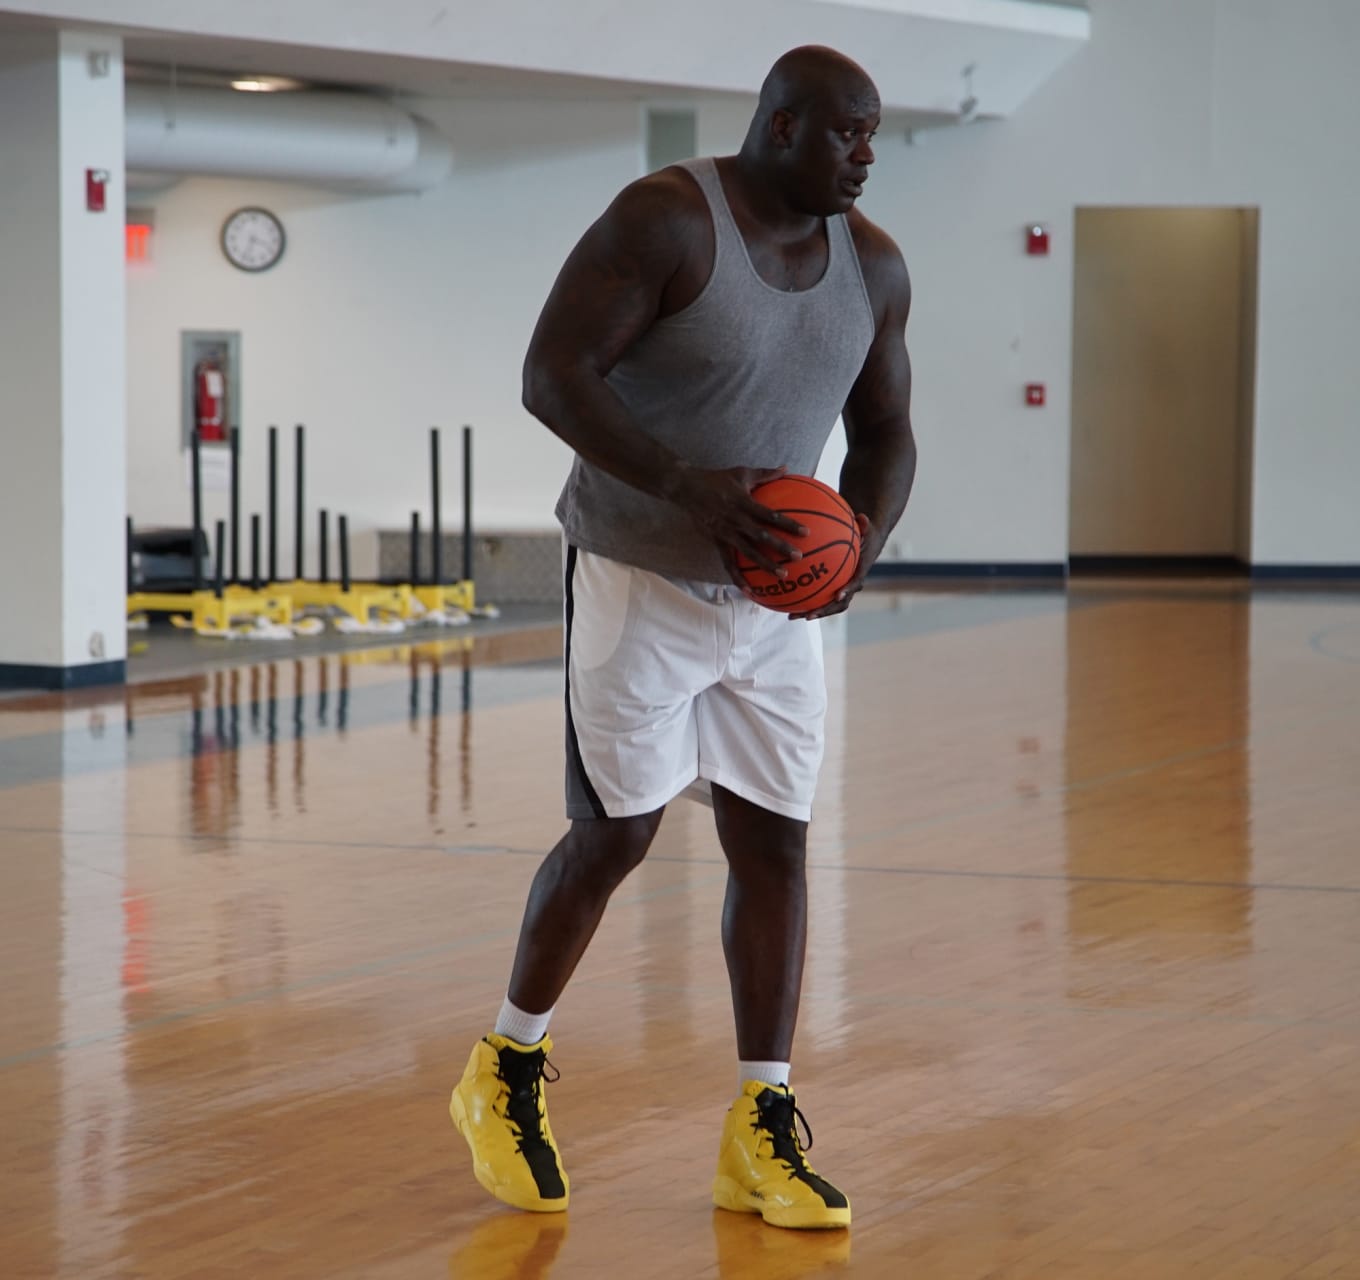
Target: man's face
830, 153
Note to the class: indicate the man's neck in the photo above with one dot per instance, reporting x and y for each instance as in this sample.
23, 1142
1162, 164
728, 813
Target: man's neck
761, 200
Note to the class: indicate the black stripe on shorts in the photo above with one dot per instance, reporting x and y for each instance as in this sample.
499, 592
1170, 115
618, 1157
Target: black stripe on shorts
579, 786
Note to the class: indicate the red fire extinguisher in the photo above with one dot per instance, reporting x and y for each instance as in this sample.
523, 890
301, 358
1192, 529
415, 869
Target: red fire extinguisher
210, 401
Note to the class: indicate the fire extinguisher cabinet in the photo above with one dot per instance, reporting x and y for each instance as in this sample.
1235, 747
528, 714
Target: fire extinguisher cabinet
210, 385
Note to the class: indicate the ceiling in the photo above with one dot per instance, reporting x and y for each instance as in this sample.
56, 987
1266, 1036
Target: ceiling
934, 89
208, 63
212, 63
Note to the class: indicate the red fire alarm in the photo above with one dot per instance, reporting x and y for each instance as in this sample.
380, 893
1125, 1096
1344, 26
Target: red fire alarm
96, 180
1036, 240
1035, 394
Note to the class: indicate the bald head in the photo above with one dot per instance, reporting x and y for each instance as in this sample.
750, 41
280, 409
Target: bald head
814, 75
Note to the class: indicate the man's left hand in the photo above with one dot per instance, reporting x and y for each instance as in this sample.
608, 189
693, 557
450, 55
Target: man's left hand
870, 545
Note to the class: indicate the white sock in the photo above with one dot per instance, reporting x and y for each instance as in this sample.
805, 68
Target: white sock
765, 1072
523, 1028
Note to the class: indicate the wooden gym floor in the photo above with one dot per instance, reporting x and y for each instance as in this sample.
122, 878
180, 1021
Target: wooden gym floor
1083, 992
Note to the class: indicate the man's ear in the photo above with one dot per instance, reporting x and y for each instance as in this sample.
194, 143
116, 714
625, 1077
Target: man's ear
782, 126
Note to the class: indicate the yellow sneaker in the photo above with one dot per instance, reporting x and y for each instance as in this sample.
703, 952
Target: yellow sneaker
762, 1169
499, 1108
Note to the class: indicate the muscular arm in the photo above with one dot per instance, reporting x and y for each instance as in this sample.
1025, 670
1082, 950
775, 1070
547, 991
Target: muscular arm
606, 296
611, 289
880, 461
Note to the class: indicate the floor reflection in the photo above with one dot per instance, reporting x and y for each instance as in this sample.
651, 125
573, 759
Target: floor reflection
510, 1246
748, 1249
278, 706
1158, 788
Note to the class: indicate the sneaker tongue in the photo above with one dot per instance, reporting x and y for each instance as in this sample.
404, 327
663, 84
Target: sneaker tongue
771, 1095
522, 1069
776, 1108
755, 1088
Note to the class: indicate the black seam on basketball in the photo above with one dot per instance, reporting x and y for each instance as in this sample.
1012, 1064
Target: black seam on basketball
808, 553
821, 513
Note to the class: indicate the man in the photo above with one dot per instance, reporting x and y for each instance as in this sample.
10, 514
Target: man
701, 338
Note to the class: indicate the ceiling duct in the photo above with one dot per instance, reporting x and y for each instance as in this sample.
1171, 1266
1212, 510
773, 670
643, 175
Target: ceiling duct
341, 140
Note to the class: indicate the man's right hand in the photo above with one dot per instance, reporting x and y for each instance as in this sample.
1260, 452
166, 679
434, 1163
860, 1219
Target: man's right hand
720, 503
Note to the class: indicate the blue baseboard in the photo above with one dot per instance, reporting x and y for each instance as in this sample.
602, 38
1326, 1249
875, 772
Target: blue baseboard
1055, 570
1306, 572
1194, 566
19, 675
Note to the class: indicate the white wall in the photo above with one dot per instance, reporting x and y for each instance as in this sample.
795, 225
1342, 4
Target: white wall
385, 316
1196, 102
62, 360
30, 346
94, 357
390, 313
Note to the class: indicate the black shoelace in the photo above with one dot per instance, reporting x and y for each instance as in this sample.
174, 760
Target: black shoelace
777, 1114
523, 1074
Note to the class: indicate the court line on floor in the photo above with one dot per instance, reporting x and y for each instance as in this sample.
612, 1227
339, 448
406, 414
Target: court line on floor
483, 850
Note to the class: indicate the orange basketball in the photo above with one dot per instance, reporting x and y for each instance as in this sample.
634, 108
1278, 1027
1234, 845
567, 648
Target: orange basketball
830, 550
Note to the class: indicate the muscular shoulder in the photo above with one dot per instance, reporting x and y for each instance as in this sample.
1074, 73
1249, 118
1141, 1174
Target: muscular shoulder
662, 224
667, 203
885, 271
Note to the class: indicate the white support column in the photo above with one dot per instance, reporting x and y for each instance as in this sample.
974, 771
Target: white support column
63, 411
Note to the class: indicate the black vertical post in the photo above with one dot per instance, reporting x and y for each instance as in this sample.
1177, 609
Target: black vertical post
467, 504
343, 523
298, 544
255, 551
437, 532
220, 558
235, 439
415, 549
273, 504
323, 532
196, 486
131, 571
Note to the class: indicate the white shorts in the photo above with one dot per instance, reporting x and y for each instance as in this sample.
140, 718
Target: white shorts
670, 680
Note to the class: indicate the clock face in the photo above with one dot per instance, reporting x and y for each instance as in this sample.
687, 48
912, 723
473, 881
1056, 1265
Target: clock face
252, 239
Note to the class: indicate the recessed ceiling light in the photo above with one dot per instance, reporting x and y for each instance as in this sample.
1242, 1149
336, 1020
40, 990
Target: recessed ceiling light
264, 84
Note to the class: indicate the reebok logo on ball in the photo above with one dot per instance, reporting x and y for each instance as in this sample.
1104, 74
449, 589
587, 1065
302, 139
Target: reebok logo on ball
786, 586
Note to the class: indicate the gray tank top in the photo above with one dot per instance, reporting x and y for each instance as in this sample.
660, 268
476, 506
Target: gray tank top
746, 376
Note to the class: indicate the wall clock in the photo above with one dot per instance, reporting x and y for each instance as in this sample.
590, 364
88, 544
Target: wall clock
252, 239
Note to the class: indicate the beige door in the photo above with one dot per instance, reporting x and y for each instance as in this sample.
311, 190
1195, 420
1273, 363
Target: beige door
1160, 400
